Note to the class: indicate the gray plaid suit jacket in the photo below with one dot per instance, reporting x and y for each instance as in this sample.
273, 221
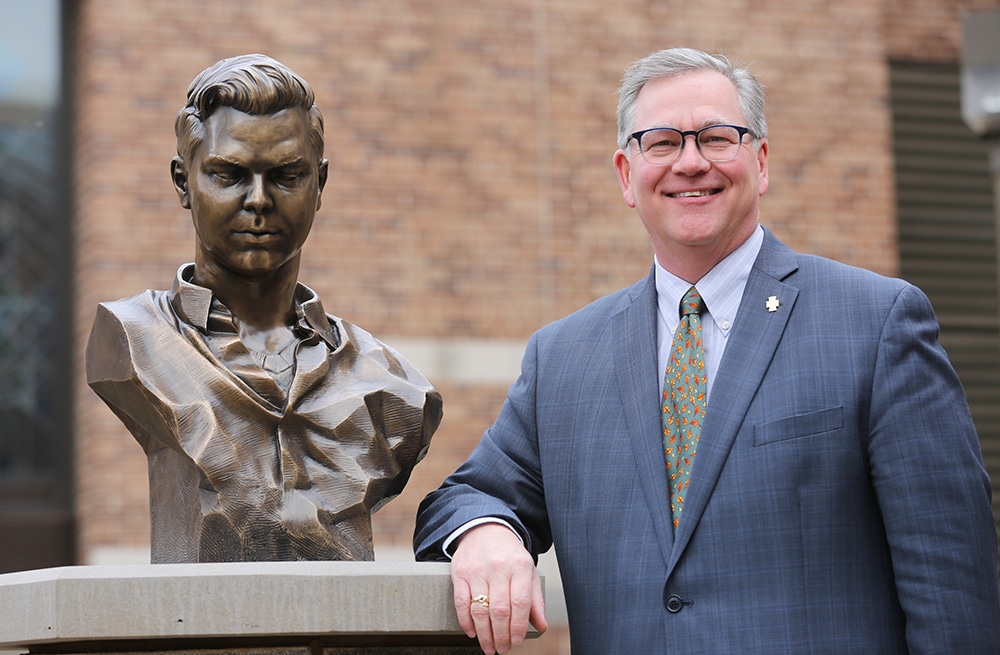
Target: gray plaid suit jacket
838, 502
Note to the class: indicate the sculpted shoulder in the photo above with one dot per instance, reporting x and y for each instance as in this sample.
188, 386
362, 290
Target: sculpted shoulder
116, 324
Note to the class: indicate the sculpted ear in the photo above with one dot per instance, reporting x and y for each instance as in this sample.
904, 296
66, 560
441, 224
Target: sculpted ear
178, 173
324, 169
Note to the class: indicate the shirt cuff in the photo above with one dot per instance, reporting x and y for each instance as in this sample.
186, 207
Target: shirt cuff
465, 527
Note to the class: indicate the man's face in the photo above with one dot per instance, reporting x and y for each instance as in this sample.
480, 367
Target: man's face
693, 204
253, 186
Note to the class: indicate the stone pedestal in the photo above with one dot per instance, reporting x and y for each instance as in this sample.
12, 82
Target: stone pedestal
256, 608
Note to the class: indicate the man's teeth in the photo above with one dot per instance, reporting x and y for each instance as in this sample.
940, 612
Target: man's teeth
691, 194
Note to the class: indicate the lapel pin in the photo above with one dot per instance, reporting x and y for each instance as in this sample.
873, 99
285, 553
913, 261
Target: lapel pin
772, 304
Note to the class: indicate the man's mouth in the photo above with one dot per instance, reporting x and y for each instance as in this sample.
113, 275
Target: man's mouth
693, 194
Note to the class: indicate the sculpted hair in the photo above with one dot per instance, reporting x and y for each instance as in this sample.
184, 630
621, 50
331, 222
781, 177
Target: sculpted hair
254, 84
678, 61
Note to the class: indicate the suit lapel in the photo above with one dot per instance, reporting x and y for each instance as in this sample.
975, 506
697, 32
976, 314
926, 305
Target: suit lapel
634, 361
748, 355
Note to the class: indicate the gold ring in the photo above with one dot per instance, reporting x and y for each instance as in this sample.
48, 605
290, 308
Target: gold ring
482, 599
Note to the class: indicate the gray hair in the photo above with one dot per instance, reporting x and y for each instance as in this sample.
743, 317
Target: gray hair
254, 84
678, 61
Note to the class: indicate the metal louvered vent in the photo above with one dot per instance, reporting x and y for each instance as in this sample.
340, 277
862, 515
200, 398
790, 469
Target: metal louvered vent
948, 233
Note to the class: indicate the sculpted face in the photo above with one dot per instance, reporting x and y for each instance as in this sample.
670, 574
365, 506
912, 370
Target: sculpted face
693, 205
253, 186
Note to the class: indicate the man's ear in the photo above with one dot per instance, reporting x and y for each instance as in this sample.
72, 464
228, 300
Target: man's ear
324, 169
178, 173
624, 169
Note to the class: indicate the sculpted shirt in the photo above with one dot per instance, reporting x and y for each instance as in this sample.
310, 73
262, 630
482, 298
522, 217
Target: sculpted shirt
256, 458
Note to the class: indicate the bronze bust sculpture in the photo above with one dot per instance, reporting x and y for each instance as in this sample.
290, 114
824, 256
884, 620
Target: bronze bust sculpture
272, 429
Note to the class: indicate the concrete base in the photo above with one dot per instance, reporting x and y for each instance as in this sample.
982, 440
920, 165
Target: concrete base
257, 608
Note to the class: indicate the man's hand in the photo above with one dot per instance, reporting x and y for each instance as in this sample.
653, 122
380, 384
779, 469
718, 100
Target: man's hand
491, 564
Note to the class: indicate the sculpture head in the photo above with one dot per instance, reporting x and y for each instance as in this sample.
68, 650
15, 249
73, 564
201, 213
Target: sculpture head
249, 164
253, 84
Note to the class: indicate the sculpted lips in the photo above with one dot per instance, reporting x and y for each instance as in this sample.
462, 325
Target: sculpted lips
255, 235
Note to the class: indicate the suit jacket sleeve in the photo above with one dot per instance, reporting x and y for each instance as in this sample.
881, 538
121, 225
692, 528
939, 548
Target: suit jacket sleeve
932, 489
502, 478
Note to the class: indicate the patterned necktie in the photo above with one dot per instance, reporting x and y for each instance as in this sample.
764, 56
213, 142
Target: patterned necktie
683, 399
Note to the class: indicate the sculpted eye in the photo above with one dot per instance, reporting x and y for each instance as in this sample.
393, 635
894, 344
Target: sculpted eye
287, 177
226, 175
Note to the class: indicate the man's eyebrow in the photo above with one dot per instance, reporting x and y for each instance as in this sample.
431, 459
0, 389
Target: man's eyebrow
712, 122
707, 122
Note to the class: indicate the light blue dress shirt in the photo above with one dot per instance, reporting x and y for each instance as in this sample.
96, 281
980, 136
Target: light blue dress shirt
721, 289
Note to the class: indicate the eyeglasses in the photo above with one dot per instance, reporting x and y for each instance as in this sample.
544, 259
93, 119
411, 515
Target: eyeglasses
662, 146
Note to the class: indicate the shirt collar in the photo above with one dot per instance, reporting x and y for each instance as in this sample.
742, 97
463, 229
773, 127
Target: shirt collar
194, 305
721, 288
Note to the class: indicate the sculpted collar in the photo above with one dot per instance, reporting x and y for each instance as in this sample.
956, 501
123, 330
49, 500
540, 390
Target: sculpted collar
195, 304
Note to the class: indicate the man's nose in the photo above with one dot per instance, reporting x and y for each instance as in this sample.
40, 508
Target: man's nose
691, 159
258, 198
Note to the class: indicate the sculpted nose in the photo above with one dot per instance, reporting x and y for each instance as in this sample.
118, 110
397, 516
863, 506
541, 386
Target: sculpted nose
258, 199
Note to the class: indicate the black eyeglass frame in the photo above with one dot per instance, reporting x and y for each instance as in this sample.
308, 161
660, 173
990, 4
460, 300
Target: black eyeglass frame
742, 131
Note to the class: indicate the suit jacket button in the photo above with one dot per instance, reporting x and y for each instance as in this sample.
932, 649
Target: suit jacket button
674, 603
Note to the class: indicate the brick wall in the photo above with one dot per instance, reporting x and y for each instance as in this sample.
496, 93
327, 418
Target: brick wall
471, 192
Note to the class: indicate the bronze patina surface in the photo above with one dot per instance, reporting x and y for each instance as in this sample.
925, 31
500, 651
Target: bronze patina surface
272, 429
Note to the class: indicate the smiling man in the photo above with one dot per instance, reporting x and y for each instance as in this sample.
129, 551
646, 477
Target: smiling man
696, 211
272, 429
750, 451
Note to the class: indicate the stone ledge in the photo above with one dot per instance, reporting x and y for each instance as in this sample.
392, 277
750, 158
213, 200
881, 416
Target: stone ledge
232, 605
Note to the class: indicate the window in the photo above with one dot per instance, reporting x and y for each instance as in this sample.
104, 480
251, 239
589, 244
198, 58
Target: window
35, 299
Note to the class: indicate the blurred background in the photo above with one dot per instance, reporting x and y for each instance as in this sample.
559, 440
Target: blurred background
471, 199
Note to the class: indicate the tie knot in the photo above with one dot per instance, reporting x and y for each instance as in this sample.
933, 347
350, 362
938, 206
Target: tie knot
692, 303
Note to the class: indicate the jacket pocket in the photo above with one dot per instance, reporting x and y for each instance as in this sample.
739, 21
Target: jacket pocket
799, 426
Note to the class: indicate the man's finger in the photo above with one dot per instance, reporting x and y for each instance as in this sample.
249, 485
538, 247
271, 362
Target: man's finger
479, 610
463, 600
